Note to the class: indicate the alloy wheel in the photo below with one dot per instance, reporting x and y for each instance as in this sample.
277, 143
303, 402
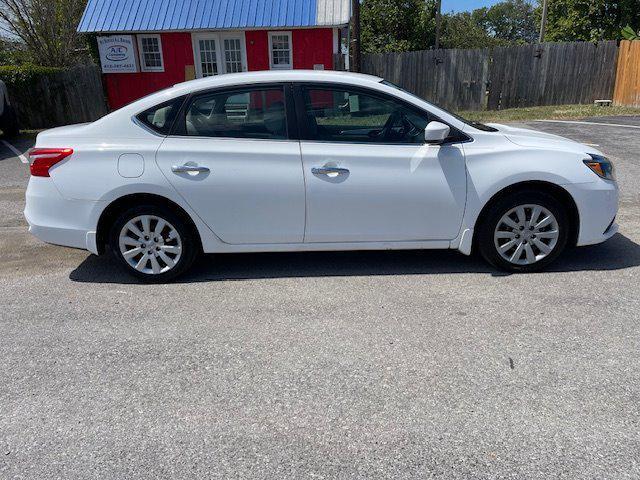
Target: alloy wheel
526, 234
150, 244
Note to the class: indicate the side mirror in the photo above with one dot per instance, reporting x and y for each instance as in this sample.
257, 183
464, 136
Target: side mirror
435, 133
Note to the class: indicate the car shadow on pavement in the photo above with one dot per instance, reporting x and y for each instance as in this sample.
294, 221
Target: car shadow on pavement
618, 253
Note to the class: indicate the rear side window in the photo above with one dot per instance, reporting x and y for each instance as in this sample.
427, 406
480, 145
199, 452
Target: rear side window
257, 113
161, 117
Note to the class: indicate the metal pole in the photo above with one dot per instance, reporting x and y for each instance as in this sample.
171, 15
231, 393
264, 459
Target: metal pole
438, 22
354, 40
543, 22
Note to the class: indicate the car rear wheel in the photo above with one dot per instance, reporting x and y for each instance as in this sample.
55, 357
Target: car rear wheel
523, 232
152, 243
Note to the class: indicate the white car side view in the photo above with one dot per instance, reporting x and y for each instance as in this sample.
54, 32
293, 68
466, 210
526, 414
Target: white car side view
311, 160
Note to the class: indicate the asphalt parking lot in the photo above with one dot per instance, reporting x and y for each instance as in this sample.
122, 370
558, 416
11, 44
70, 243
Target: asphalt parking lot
324, 365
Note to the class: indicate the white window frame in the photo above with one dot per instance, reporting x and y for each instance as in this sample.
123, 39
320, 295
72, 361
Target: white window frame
243, 48
220, 58
280, 66
143, 66
195, 38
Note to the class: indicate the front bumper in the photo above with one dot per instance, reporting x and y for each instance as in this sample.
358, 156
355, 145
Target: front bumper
597, 204
57, 220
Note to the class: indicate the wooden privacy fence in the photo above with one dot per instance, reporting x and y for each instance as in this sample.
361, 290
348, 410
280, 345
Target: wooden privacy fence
503, 77
455, 79
552, 74
627, 91
69, 96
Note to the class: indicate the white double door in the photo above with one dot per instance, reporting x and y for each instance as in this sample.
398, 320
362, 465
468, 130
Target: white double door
217, 53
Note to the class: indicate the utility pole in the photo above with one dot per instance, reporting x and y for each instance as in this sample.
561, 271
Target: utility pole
354, 48
438, 22
543, 22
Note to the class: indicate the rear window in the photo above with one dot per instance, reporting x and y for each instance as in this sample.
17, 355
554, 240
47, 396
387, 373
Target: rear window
161, 117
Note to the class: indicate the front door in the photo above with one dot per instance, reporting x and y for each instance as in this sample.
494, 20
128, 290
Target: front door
231, 159
370, 177
217, 53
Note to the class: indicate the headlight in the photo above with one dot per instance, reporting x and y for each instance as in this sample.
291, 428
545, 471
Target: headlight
601, 166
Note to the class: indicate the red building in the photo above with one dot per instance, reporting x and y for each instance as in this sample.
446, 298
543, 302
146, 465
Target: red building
148, 45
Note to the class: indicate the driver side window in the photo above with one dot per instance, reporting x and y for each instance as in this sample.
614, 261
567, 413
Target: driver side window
341, 115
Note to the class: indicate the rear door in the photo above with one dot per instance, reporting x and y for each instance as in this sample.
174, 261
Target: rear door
369, 175
235, 159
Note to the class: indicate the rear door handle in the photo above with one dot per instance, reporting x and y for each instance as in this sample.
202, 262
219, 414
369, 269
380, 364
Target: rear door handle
189, 169
329, 170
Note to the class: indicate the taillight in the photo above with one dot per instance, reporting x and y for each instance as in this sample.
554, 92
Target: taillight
42, 159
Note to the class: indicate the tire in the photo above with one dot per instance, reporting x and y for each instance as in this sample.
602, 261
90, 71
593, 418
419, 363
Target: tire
170, 248
510, 244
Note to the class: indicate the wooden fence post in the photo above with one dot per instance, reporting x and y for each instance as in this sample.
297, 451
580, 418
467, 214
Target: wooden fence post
627, 89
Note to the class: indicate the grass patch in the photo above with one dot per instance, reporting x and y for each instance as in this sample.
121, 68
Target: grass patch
30, 134
552, 112
23, 135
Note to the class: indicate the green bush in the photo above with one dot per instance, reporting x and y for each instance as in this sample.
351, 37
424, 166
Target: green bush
21, 77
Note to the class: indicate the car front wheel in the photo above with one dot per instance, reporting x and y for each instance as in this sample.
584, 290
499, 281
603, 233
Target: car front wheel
524, 232
152, 243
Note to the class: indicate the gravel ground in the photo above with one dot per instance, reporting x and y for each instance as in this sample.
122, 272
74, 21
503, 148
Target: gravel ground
330, 365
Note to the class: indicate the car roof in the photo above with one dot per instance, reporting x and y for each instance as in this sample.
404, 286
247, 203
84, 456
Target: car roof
286, 75
279, 76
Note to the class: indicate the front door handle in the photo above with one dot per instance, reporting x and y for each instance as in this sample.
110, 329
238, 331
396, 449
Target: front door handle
186, 168
329, 170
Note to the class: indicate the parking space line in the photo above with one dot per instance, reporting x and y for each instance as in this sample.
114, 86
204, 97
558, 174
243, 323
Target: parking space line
18, 154
589, 123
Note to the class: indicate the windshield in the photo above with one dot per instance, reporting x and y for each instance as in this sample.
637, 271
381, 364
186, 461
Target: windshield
478, 125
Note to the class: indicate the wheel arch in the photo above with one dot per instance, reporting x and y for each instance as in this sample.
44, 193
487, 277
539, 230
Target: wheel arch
540, 186
117, 206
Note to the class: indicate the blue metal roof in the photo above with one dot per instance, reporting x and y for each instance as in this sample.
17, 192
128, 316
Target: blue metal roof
175, 15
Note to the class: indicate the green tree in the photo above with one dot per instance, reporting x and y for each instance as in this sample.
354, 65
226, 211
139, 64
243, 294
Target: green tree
590, 20
47, 28
510, 21
12, 52
515, 21
397, 25
463, 30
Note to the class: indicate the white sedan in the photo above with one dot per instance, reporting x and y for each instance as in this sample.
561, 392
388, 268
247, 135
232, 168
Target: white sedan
304, 160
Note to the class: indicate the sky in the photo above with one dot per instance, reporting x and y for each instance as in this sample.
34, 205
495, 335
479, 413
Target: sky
465, 5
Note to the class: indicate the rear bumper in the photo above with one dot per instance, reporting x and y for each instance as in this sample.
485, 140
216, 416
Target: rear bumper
597, 204
57, 220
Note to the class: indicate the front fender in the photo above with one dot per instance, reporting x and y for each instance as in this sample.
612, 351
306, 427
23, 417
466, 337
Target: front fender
490, 171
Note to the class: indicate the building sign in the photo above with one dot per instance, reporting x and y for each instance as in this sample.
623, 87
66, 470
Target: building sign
118, 54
